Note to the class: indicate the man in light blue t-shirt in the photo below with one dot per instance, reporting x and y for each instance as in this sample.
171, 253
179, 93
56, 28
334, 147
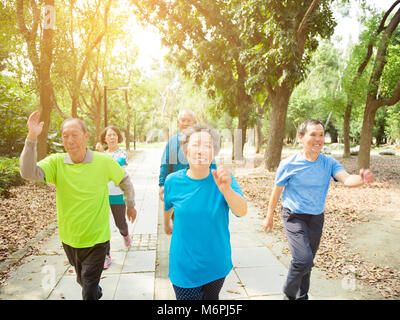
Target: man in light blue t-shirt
304, 179
306, 182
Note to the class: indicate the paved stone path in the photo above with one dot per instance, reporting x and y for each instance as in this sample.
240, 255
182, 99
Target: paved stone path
141, 272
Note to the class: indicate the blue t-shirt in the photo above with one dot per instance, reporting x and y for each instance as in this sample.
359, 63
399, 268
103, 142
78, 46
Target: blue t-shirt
200, 250
306, 182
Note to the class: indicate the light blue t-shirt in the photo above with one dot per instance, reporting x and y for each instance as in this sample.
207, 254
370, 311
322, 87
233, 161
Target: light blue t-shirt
306, 182
200, 250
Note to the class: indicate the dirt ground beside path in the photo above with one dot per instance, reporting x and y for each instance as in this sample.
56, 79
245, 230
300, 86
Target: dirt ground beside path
379, 239
361, 238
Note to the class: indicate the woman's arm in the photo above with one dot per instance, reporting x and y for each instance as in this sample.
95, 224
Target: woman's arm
167, 221
268, 222
236, 202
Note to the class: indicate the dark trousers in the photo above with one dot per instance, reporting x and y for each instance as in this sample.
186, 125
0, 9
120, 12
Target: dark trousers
118, 211
88, 264
303, 232
209, 291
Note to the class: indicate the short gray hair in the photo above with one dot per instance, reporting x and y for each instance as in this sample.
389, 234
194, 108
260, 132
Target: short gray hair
187, 133
79, 121
182, 112
303, 127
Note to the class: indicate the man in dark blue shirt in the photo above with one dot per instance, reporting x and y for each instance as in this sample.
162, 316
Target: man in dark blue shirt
173, 158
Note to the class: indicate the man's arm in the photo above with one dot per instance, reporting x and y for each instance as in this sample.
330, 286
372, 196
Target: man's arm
355, 180
164, 167
268, 222
164, 171
27, 162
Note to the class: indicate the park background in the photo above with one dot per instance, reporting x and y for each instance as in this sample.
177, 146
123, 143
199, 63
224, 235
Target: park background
252, 69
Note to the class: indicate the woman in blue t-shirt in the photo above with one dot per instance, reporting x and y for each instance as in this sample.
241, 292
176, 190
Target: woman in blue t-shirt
200, 250
304, 179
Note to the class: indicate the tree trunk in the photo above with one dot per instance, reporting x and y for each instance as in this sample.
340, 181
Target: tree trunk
280, 103
240, 136
346, 131
46, 106
128, 137
75, 103
259, 136
45, 84
41, 63
98, 118
128, 124
243, 101
366, 136
373, 101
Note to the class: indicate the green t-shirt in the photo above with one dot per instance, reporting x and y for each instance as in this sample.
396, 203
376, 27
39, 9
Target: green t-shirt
82, 197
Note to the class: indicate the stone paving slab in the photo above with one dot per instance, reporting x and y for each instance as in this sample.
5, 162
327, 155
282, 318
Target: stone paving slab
263, 280
34, 279
139, 261
135, 286
253, 257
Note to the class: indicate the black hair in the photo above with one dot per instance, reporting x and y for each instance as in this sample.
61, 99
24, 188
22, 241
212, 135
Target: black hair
305, 124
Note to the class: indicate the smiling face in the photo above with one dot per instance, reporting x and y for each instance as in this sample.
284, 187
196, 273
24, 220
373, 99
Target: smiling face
200, 150
74, 139
313, 139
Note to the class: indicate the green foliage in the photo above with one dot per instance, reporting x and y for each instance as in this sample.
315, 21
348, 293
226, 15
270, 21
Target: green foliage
8, 33
15, 106
391, 72
205, 41
379, 127
393, 122
272, 53
319, 94
9, 175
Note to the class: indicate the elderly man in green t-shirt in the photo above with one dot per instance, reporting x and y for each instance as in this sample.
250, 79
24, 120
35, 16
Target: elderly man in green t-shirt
81, 177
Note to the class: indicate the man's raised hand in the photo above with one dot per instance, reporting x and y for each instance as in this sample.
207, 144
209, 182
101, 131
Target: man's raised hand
34, 126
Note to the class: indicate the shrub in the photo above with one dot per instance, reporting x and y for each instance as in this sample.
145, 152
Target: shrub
9, 175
